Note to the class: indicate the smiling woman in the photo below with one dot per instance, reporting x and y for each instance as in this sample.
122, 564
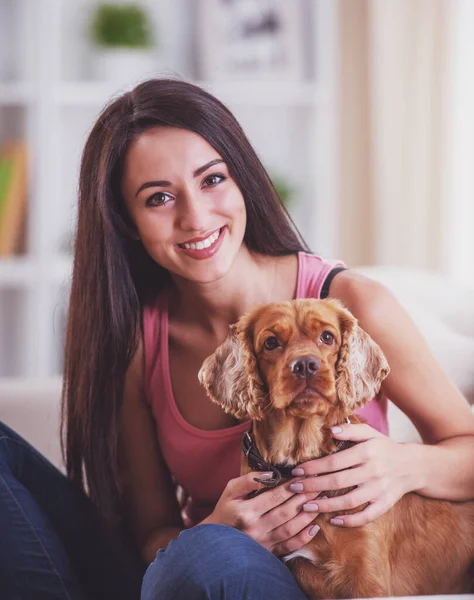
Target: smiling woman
180, 232
166, 165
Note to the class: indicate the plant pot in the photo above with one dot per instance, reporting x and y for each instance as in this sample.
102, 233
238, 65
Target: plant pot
124, 65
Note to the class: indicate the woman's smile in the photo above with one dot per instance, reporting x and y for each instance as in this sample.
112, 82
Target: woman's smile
204, 247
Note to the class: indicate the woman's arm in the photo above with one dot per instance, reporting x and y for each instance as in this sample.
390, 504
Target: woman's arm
442, 466
149, 493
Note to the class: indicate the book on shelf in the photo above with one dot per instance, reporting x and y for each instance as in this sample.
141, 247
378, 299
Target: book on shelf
13, 195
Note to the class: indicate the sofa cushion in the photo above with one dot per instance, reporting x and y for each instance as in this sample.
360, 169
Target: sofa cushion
443, 311
32, 408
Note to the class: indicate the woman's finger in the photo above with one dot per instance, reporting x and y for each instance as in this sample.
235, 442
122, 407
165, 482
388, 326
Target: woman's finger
353, 499
332, 481
272, 497
240, 487
332, 462
356, 432
370, 513
285, 512
297, 541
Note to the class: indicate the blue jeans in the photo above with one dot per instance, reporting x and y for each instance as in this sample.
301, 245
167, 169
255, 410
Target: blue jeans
218, 562
54, 546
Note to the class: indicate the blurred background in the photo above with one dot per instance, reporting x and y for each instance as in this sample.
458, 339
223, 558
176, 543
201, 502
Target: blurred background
361, 111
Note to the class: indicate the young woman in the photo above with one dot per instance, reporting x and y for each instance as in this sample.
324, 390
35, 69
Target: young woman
180, 232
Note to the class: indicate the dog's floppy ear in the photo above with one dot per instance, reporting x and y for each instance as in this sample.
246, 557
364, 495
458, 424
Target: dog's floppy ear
361, 366
230, 375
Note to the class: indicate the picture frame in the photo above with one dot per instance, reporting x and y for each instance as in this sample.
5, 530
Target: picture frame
250, 40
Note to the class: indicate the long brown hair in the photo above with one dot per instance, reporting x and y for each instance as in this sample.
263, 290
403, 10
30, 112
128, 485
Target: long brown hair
113, 275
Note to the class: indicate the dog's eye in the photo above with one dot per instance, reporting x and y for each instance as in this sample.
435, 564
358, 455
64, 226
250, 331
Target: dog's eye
271, 343
327, 338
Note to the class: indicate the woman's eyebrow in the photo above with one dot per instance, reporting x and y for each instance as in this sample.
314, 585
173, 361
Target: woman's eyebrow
205, 167
149, 184
164, 183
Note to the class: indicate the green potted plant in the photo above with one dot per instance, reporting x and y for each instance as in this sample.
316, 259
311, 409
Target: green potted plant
123, 41
284, 188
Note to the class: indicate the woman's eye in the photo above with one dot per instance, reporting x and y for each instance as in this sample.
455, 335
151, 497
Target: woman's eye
214, 179
159, 199
327, 337
271, 343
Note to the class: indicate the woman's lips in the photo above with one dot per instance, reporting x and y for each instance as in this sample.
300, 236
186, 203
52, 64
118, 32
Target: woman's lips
205, 252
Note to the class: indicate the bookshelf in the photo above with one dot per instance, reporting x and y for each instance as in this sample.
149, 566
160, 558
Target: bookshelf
48, 98
308, 94
15, 94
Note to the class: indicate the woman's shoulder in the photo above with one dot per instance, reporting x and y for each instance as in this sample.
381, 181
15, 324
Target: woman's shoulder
368, 300
352, 288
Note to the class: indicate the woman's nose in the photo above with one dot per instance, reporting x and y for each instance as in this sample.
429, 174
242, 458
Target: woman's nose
193, 213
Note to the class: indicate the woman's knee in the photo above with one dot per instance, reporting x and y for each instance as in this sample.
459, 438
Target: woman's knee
6, 437
12, 449
18, 455
6, 431
199, 557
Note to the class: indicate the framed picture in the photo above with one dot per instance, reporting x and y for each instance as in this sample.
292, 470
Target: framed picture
251, 40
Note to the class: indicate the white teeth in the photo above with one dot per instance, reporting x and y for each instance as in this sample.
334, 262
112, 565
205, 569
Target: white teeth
203, 244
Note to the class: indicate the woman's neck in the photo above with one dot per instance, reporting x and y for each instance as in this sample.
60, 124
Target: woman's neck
252, 279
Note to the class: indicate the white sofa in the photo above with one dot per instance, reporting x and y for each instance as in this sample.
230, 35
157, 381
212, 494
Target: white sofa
32, 408
444, 312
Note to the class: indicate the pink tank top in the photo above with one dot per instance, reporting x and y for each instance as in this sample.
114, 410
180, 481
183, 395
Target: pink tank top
200, 461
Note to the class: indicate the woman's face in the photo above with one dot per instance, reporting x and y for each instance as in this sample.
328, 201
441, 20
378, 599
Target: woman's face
188, 212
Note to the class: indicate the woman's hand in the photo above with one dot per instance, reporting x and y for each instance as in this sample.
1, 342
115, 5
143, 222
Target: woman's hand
380, 468
274, 518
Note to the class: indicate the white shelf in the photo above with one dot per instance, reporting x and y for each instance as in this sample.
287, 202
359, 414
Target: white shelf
26, 272
14, 93
255, 93
86, 93
271, 93
18, 271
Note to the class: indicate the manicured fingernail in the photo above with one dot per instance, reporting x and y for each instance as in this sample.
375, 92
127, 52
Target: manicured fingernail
265, 475
311, 507
297, 472
323, 497
337, 521
296, 487
336, 429
314, 530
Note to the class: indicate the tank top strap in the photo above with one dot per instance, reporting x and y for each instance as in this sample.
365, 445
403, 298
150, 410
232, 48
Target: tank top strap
155, 315
312, 273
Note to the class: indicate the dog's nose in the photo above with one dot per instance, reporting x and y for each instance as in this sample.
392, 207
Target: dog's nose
304, 366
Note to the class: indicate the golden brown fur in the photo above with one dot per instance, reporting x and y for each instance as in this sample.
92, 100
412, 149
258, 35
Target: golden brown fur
420, 546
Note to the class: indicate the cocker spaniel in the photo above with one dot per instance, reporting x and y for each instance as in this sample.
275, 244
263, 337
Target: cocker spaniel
296, 369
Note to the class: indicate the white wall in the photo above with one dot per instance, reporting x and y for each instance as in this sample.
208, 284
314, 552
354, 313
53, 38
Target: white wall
459, 181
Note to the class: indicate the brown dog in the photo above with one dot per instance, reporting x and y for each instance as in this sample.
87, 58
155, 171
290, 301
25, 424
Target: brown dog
296, 369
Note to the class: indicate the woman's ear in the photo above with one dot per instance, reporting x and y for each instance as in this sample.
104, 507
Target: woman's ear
361, 366
230, 376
